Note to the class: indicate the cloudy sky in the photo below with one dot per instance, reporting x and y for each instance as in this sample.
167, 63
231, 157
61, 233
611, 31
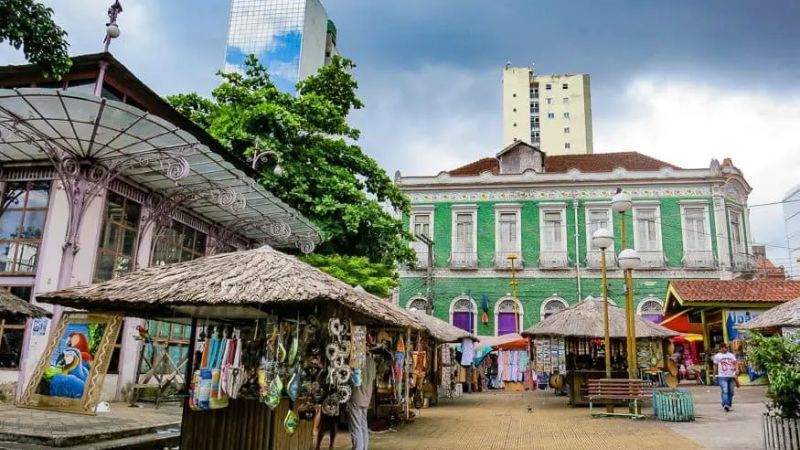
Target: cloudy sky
684, 81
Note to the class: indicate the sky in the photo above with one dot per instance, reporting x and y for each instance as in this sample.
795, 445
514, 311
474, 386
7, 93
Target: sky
683, 81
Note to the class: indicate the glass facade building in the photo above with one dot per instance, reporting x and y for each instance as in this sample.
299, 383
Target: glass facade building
791, 217
287, 36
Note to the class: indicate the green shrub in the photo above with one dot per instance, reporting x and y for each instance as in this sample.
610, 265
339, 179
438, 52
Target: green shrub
780, 357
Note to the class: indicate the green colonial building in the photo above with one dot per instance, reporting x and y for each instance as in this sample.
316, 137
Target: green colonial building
684, 223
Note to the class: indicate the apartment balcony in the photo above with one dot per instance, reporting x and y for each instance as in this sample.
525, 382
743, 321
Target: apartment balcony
593, 259
743, 262
651, 259
553, 260
463, 260
699, 259
502, 262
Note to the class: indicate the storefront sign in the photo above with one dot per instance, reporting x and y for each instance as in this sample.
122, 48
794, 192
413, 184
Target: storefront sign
738, 317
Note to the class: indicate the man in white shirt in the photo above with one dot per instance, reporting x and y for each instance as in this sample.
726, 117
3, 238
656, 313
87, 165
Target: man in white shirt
727, 371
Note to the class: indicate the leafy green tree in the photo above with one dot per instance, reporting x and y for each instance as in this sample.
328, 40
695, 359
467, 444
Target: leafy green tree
29, 24
326, 177
377, 279
780, 357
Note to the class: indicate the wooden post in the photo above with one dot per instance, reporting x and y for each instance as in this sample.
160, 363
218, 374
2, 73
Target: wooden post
707, 344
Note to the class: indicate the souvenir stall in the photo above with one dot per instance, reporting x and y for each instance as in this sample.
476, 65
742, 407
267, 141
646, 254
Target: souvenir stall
273, 340
783, 319
392, 374
439, 356
568, 347
685, 358
502, 361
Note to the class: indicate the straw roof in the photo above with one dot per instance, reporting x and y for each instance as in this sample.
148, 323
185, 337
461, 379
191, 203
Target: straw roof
784, 315
441, 330
13, 306
234, 285
586, 320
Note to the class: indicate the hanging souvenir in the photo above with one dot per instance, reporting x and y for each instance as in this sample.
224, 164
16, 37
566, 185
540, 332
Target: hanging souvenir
358, 346
291, 422
330, 405
274, 394
293, 387
357, 377
343, 392
293, 351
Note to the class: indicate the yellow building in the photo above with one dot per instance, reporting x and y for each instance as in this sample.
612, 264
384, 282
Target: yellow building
552, 112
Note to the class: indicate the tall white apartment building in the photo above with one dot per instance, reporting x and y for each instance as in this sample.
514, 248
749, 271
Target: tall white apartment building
291, 38
552, 112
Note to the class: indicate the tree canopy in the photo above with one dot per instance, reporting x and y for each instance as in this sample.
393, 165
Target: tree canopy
29, 24
326, 176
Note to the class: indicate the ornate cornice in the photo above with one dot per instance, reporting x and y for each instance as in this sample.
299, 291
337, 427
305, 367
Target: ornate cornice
533, 273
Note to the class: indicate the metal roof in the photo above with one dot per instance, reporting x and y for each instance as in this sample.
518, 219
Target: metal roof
70, 128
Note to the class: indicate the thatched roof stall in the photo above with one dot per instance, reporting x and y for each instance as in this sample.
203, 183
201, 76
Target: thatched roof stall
13, 306
241, 285
784, 315
586, 320
440, 330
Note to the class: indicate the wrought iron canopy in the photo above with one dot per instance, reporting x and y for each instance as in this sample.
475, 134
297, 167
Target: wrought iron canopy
102, 138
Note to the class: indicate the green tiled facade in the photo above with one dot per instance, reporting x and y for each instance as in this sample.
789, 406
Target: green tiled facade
577, 280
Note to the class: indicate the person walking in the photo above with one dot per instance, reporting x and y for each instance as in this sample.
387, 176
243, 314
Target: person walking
726, 369
358, 404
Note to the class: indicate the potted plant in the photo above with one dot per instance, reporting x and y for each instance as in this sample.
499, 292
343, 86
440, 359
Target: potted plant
779, 356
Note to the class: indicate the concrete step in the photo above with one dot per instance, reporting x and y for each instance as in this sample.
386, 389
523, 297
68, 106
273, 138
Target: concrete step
164, 439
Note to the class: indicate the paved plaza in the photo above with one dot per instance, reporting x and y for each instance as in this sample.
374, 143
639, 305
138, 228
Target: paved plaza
500, 420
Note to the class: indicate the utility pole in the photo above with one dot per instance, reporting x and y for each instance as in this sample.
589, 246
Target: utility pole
429, 276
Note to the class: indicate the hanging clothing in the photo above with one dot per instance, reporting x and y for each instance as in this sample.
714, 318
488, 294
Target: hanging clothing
467, 352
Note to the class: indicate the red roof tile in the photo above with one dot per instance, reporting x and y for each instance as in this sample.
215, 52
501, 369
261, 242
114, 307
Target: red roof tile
597, 162
750, 291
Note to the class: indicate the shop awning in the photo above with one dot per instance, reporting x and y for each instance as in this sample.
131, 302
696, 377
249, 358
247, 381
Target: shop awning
72, 130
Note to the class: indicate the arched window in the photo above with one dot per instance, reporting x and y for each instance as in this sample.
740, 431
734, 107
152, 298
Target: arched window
552, 305
651, 308
418, 303
507, 316
464, 313
600, 297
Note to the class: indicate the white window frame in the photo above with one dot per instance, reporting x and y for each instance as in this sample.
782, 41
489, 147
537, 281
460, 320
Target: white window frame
464, 209
419, 246
742, 247
416, 298
553, 207
508, 208
566, 115
637, 207
706, 225
474, 311
551, 115
552, 298
649, 298
520, 313
588, 207
565, 100
548, 100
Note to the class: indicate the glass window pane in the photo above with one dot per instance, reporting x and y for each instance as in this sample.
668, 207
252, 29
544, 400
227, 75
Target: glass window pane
33, 224
108, 238
9, 224
128, 242
132, 211
187, 238
39, 194
105, 267
11, 347
27, 254
200, 243
123, 264
7, 251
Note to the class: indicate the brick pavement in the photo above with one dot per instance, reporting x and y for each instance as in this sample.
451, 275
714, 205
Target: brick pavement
500, 420
57, 428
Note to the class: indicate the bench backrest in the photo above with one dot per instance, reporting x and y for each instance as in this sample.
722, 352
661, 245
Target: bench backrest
620, 387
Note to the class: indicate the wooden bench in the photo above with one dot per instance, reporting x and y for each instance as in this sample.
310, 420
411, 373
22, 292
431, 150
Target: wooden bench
619, 389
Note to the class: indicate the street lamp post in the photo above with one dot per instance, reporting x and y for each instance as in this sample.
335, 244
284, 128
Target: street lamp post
603, 239
621, 203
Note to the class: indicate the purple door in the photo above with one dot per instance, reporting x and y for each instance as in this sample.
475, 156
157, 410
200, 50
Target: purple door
506, 323
463, 320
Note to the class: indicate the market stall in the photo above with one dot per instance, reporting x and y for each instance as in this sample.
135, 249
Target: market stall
437, 365
273, 340
783, 319
568, 347
501, 362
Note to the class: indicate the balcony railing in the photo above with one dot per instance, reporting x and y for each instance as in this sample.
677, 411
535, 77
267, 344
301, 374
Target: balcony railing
553, 260
699, 259
743, 262
593, 259
501, 260
463, 260
651, 259
422, 260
